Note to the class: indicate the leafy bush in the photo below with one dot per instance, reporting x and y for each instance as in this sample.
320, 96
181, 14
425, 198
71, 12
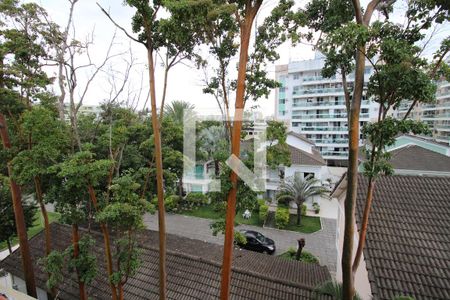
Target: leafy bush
316, 207
304, 209
281, 217
171, 202
220, 206
240, 238
260, 203
304, 257
196, 199
263, 211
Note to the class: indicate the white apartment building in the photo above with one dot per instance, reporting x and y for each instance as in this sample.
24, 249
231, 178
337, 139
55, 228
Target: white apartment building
436, 115
84, 110
315, 106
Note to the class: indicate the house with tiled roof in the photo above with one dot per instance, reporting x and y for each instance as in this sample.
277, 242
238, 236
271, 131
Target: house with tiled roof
306, 160
407, 248
193, 271
417, 156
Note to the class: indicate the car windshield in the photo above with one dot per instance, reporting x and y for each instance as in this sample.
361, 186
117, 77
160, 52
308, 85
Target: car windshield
260, 237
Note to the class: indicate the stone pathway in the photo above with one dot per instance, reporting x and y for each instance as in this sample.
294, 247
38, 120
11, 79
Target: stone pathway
321, 243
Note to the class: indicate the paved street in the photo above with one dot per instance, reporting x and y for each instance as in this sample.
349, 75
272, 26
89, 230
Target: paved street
321, 243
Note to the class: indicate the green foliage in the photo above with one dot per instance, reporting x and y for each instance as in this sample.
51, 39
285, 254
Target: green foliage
281, 217
86, 263
171, 202
128, 259
304, 208
333, 289
240, 238
176, 110
53, 264
7, 219
316, 207
263, 212
259, 203
304, 257
278, 151
195, 199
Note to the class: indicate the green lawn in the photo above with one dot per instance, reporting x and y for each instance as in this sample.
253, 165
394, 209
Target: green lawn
38, 225
207, 212
309, 224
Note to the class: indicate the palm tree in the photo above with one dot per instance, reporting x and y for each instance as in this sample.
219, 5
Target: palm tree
333, 289
299, 190
214, 142
175, 110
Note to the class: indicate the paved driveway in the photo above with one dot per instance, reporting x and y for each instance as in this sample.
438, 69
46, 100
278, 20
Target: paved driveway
321, 243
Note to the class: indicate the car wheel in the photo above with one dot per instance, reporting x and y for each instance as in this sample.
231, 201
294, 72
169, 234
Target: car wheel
265, 252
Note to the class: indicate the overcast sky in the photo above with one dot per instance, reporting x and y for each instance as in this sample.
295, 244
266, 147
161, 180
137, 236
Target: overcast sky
185, 81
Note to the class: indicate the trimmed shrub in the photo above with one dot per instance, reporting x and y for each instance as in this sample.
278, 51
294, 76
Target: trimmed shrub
316, 207
304, 209
263, 211
281, 218
196, 199
304, 257
260, 203
171, 202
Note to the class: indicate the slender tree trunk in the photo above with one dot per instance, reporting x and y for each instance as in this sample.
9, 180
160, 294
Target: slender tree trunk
76, 253
107, 243
352, 178
121, 292
48, 243
245, 31
159, 170
216, 168
364, 224
21, 228
8, 243
299, 213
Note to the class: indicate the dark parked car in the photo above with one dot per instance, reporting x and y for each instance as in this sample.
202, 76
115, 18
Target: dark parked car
257, 242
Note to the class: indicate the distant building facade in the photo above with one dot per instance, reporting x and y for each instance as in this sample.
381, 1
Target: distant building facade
84, 110
436, 115
315, 106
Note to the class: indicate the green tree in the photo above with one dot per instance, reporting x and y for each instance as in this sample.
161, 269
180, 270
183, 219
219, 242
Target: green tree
299, 190
278, 153
124, 215
214, 142
7, 221
333, 289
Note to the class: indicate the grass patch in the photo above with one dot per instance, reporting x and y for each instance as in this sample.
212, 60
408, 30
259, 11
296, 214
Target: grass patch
308, 224
38, 225
207, 212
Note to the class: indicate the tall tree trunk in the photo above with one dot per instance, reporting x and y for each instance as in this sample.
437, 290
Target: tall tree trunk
299, 213
107, 243
48, 243
348, 276
76, 253
352, 179
245, 31
159, 168
27, 262
216, 168
364, 224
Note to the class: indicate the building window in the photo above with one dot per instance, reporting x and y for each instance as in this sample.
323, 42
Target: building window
306, 174
296, 76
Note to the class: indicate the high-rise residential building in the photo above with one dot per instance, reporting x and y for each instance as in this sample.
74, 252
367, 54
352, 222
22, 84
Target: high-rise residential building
436, 115
315, 106
84, 110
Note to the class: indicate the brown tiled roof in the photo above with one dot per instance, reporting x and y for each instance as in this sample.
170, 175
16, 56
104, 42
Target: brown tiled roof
300, 157
414, 157
193, 271
408, 239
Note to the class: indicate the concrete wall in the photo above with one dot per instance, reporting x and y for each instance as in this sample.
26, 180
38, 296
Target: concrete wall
10, 283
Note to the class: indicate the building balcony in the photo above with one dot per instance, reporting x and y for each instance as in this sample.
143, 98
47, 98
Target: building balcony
325, 128
321, 91
330, 141
324, 103
325, 116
